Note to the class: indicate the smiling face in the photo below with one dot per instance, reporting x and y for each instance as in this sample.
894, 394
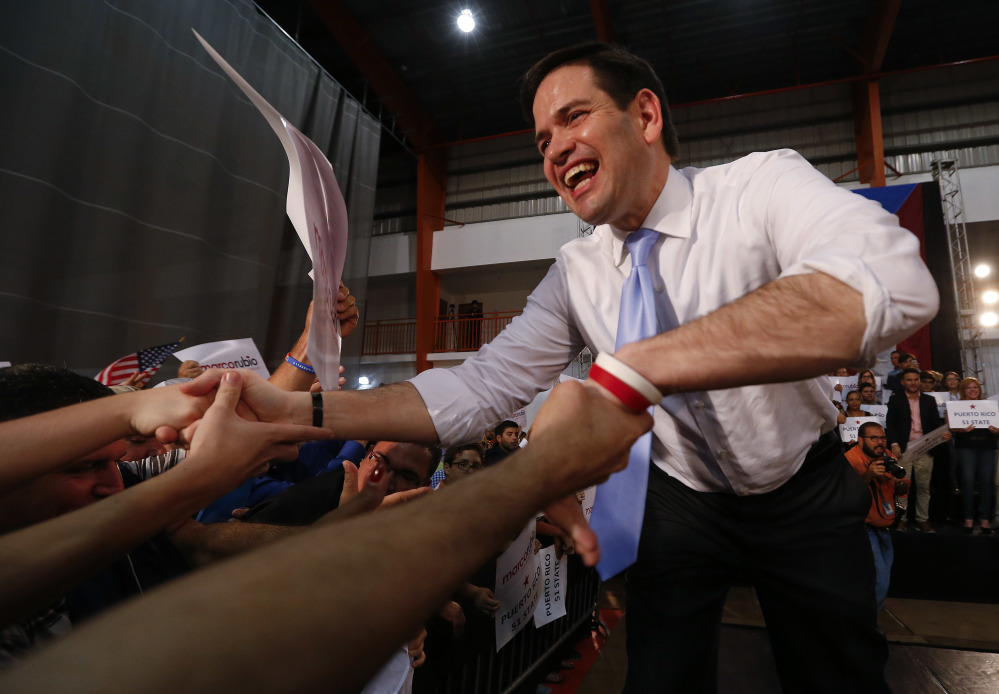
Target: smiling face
972, 391
607, 164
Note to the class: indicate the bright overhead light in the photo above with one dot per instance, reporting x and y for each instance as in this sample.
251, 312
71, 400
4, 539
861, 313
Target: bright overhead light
362, 380
989, 319
991, 296
465, 21
982, 270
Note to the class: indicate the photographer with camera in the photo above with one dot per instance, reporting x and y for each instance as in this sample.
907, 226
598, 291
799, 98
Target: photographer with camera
886, 478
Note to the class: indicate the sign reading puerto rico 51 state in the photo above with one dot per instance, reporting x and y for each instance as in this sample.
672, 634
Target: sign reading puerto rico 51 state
980, 414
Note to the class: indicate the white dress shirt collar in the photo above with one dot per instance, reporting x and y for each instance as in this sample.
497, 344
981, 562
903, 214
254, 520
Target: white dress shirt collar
670, 215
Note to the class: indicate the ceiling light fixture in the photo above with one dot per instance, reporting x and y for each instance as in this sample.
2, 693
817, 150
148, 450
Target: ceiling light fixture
989, 319
982, 270
465, 21
362, 380
990, 296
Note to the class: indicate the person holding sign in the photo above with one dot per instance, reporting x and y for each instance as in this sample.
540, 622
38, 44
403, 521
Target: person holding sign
911, 414
976, 456
852, 407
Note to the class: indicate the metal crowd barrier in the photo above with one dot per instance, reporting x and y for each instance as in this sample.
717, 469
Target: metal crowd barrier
489, 672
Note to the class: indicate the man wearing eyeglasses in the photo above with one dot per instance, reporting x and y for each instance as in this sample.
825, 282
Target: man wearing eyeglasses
409, 466
868, 459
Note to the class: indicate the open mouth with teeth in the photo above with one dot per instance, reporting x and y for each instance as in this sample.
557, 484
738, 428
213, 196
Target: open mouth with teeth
579, 175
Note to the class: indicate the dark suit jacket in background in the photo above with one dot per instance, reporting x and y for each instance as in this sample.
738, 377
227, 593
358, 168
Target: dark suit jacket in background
899, 418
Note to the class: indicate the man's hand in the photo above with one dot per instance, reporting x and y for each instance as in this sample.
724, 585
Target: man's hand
876, 469
189, 369
236, 449
945, 436
416, 654
611, 429
259, 399
346, 311
896, 450
165, 411
484, 599
452, 612
355, 482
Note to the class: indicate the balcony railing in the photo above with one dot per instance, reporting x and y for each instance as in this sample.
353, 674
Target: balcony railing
463, 333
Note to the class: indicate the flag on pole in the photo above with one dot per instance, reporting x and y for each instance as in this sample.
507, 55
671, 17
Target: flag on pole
145, 362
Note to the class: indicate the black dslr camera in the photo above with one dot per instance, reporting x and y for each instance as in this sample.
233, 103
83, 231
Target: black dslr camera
893, 468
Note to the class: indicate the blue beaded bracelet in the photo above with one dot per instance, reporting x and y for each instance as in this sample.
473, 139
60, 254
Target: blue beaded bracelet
298, 365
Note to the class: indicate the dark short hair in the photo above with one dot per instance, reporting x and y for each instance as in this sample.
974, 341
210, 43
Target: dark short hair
908, 370
905, 356
852, 392
865, 427
895, 351
454, 451
28, 389
926, 375
504, 425
617, 71
868, 385
435, 451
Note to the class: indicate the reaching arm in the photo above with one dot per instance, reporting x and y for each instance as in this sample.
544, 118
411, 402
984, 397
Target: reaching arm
217, 621
28, 448
39, 563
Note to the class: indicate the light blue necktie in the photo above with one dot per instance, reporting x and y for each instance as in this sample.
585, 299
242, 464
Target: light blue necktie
620, 503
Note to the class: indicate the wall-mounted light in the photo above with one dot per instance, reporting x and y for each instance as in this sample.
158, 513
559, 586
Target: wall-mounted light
465, 21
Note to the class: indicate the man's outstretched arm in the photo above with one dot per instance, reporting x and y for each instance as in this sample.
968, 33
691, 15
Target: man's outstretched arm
219, 621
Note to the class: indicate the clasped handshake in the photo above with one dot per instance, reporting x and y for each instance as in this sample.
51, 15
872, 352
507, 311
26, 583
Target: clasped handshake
242, 422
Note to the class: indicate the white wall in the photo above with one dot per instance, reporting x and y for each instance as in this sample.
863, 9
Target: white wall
980, 189
503, 241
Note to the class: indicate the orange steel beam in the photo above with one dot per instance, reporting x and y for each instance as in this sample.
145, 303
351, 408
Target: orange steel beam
867, 125
415, 121
877, 31
602, 21
873, 46
430, 193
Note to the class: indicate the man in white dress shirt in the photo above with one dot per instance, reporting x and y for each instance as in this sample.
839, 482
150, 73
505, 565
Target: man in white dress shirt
774, 276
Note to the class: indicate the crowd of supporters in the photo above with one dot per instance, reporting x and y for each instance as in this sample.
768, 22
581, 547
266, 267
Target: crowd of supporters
194, 481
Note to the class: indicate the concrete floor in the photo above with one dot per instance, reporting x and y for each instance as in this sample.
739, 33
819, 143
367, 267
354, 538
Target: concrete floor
934, 648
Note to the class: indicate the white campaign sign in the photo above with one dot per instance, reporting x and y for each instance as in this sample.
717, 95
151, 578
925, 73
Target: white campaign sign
848, 383
980, 414
518, 585
942, 400
551, 604
589, 496
848, 430
878, 411
928, 441
4, 364
319, 214
226, 354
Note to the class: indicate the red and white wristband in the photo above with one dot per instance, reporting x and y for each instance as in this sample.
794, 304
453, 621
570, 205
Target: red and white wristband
627, 385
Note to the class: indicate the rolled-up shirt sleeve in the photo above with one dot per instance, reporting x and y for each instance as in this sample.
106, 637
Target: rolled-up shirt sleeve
524, 359
816, 226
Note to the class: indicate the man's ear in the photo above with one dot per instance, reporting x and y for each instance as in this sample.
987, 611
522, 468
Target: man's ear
650, 113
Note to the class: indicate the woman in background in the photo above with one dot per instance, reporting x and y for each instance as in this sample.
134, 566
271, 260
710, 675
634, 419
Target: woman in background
976, 456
